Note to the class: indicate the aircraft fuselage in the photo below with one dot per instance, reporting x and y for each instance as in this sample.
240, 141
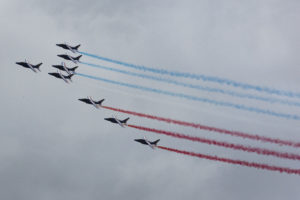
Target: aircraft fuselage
23, 64
113, 120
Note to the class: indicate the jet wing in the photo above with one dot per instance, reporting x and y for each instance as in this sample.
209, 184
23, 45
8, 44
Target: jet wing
30, 66
72, 59
65, 68
62, 77
91, 100
119, 122
148, 143
70, 48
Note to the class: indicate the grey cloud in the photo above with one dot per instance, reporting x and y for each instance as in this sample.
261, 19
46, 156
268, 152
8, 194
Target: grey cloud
54, 147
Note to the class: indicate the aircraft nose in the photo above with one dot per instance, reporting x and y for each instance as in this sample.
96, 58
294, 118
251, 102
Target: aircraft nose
108, 119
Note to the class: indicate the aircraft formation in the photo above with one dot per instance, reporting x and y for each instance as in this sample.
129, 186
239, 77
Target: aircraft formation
66, 73
67, 78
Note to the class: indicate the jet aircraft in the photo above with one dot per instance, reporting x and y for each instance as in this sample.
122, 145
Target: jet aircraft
59, 75
89, 100
67, 57
122, 123
26, 64
145, 141
68, 47
63, 67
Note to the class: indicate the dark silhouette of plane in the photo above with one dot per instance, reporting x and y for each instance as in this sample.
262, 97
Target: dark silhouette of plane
68, 47
63, 67
30, 66
89, 100
63, 77
114, 120
67, 57
147, 142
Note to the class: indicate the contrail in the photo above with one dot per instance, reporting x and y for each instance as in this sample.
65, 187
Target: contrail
257, 150
235, 162
197, 87
194, 98
210, 128
202, 77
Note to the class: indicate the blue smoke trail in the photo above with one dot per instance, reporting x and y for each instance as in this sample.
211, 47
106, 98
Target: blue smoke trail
198, 87
194, 98
200, 77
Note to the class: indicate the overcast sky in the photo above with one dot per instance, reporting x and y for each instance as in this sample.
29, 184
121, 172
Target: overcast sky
54, 147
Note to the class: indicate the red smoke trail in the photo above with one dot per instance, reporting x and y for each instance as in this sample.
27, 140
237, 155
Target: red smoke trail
209, 128
218, 143
236, 162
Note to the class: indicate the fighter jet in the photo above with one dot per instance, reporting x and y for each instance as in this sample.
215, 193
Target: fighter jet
89, 100
147, 142
122, 123
67, 57
31, 66
63, 67
59, 75
68, 47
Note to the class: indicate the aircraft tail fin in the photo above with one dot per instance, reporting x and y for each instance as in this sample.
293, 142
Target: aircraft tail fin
69, 76
155, 142
125, 120
38, 66
100, 102
78, 57
73, 69
76, 47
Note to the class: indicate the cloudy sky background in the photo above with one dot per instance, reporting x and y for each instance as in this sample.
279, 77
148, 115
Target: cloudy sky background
55, 147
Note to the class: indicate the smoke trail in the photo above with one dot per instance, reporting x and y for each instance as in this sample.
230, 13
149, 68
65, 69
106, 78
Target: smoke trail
222, 144
210, 128
194, 98
198, 87
244, 86
235, 162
